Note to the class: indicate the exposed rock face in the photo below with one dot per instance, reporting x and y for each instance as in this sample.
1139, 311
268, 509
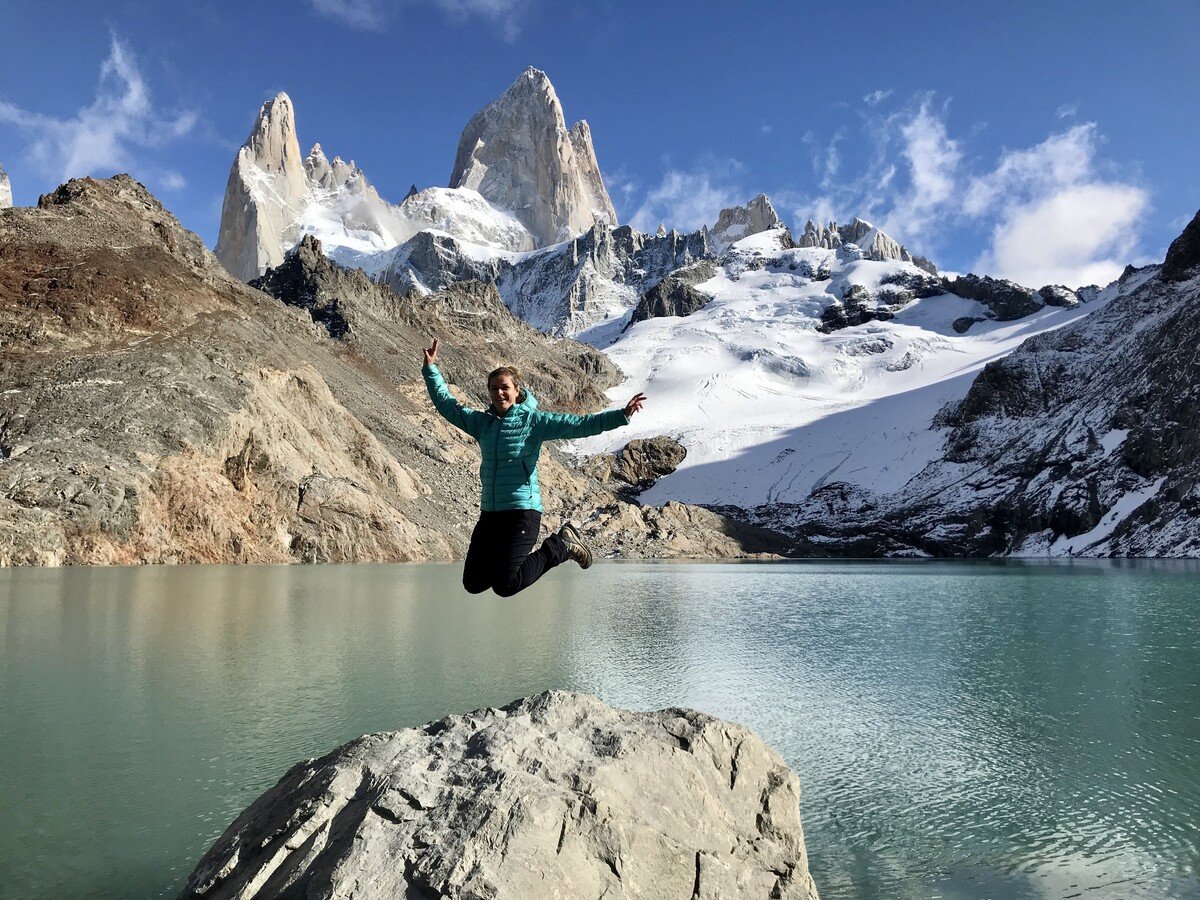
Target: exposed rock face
642, 462
265, 193
1085, 441
563, 289
556, 795
737, 222
670, 297
857, 306
518, 153
1183, 256
874, 243
156, 410
274, 198
5, 190
429, 261
297, 281
1057, 295
1005, 299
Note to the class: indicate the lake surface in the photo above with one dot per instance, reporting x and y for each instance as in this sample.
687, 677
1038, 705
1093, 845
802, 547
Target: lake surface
961, 730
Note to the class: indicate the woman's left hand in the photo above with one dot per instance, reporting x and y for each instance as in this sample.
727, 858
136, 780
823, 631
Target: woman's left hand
634, 405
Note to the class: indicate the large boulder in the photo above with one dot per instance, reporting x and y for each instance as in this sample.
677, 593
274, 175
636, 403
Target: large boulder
552, 796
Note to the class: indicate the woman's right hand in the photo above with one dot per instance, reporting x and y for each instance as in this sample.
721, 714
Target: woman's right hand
431, 354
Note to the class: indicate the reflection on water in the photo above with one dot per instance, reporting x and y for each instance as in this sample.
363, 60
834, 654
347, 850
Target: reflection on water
960, 730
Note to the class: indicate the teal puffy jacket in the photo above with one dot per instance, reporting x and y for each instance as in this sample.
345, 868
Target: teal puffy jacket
512, 443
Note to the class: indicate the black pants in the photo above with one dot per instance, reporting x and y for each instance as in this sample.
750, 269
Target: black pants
499, 556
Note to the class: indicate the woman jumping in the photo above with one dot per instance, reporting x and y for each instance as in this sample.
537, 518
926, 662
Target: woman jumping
510, 434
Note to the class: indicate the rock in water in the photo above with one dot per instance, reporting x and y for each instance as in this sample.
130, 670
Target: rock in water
556, 795
5, 190
518, 153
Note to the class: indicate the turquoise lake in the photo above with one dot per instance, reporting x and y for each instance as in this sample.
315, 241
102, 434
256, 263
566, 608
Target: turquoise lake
960, 729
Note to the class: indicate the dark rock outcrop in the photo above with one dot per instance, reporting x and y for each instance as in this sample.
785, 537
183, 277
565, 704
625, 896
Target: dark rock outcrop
857, 305
1183, 256
296, 282
1005, 299
641, 462
1057, 295
670, 297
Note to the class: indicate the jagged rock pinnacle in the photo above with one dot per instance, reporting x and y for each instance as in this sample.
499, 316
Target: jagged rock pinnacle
518, 153
251, 235
737, 222
5, 190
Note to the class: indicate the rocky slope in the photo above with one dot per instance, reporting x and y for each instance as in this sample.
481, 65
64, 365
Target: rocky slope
157, 410
518, 154
1084, 441
556, 796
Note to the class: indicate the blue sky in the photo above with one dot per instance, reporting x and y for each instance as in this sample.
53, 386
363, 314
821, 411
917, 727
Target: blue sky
1042, 141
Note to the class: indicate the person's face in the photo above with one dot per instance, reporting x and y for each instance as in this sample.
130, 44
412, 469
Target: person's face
503, 391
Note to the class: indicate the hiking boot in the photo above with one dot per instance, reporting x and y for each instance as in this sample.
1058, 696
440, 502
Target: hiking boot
576, 548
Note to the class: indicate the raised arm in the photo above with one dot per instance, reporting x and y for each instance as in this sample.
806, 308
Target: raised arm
556, 426
469, 420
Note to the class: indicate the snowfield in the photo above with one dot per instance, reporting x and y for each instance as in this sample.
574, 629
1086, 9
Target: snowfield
769, 407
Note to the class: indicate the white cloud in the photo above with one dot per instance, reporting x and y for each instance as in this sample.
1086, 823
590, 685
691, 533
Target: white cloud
1079, 235
1057, 219
933, 159
1055, 212
372, 15
503, 13
767, 129
1061, 159
876, 97
365, 14
687, 199
1067, 111
106, 136
171, 181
